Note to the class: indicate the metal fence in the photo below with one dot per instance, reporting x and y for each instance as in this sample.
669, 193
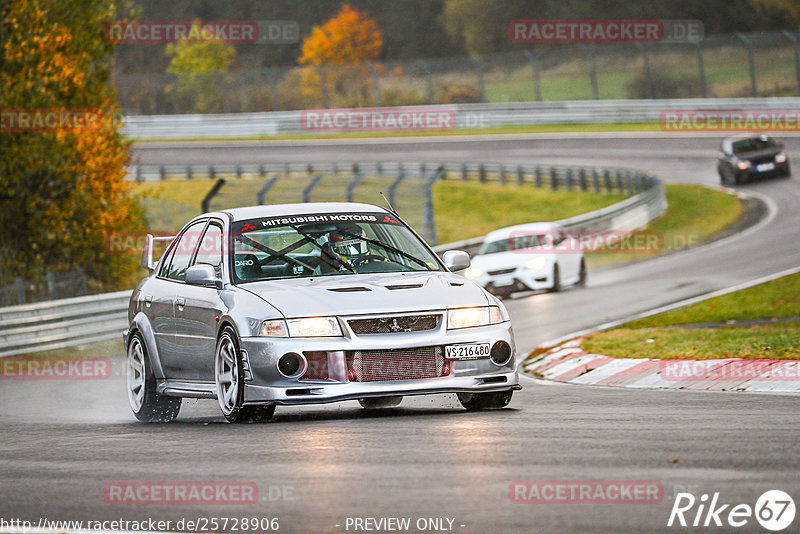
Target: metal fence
765, 64
58, 286
407, 186
78, 321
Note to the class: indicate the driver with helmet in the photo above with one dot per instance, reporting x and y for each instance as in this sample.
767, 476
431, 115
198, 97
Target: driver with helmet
348, 244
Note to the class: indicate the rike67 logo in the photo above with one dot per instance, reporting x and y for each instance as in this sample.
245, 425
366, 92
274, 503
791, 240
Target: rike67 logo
774, 510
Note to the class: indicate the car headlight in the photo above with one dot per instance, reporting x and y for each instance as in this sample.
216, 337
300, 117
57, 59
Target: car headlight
314, 327
470, 317
473, 272
743, 165
536, 263
780, 157
276, 328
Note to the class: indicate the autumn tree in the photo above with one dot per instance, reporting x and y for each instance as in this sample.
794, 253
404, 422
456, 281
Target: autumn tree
342, 50
62, 187
200, 66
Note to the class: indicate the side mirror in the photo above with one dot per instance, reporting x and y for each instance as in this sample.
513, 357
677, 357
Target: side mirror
456, 260
147, 254
202, 275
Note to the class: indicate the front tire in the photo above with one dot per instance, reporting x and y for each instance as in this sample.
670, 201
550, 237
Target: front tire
229, 379
485, 401
379, 403
147, 405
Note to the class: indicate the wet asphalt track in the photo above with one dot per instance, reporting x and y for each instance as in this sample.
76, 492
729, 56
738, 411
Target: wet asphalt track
64, 441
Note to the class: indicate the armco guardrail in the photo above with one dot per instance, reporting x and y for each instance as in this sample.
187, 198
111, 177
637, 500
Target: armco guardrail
76, 321
465, 116
63, 323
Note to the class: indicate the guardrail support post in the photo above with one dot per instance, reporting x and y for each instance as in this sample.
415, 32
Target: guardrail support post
482, 173
582, 178
188, 172
238, 171
538, 176
620, 190
204, 205
139, 177
51, 285
596, 180
793, 39
430, 220
212, 173
19, 285
520, 175
553, 179
351, 187
537, 87
569, 179
501, 174
463, 172
751, 62
607, 180
702, 68
162, 172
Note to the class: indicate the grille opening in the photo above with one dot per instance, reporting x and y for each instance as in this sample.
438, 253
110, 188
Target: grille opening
348, 289
501, 271
396, 364
317, 368
404, 286
494, 380
395, 325
295, 392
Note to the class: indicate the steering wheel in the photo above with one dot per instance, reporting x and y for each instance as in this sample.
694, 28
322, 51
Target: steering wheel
361, 261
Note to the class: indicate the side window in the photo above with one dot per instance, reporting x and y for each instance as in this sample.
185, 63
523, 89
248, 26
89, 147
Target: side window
184, 249
210, 251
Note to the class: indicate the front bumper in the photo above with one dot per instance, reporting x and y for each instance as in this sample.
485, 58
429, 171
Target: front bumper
268, 385
521, 279
749, 175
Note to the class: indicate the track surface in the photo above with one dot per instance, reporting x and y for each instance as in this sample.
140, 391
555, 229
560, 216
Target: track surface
64, 441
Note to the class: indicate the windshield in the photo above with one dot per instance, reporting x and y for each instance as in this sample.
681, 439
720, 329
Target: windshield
753, 144
515, 242
325, 244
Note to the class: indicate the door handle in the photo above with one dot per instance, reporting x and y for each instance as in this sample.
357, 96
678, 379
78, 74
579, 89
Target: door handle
181, 302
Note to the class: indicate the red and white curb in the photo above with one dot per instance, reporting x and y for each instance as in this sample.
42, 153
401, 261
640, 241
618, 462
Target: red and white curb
568, 362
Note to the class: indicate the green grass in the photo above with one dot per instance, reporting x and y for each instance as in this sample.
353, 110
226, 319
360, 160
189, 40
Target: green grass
465, 210
694, 214
651, 337
778, 298
510, 129
779, 341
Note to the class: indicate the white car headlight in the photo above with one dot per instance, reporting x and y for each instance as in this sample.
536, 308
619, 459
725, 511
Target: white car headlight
743, 165
536, 263
780, 157
276, 328
473, 272
314, 327
470, 317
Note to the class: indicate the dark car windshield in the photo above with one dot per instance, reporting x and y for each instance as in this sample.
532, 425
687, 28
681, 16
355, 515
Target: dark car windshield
325, 244
516, 242
753, 144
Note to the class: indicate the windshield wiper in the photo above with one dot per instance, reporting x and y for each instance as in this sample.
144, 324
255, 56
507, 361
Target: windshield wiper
392, 248
327, 253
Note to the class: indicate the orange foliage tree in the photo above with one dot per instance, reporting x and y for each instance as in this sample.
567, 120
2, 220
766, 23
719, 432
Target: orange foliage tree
343, 47
62, 188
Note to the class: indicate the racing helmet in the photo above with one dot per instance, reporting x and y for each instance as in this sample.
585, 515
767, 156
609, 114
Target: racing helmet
348, 242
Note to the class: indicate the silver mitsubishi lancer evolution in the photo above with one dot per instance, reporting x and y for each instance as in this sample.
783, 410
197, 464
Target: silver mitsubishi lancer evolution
310, 303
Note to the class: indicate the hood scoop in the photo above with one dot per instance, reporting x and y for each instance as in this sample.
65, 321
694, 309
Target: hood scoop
404, 286
355, 289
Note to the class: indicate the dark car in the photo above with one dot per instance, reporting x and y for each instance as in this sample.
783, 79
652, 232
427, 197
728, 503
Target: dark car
751, 157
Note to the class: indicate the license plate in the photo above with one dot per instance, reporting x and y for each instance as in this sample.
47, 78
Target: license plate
765, 167
503, 282
471, 351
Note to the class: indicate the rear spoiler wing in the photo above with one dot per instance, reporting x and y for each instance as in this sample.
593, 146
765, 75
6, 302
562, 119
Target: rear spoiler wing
147, 253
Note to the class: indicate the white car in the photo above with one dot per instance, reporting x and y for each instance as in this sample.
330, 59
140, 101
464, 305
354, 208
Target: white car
528, 257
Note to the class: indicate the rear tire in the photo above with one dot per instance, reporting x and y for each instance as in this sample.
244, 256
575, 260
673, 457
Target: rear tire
582, 274
485, 401
379, 403
147, 405
556, 279
229, 380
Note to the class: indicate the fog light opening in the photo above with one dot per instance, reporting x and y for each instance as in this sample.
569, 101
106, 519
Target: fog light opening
501, 353
292, 365
446, 369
